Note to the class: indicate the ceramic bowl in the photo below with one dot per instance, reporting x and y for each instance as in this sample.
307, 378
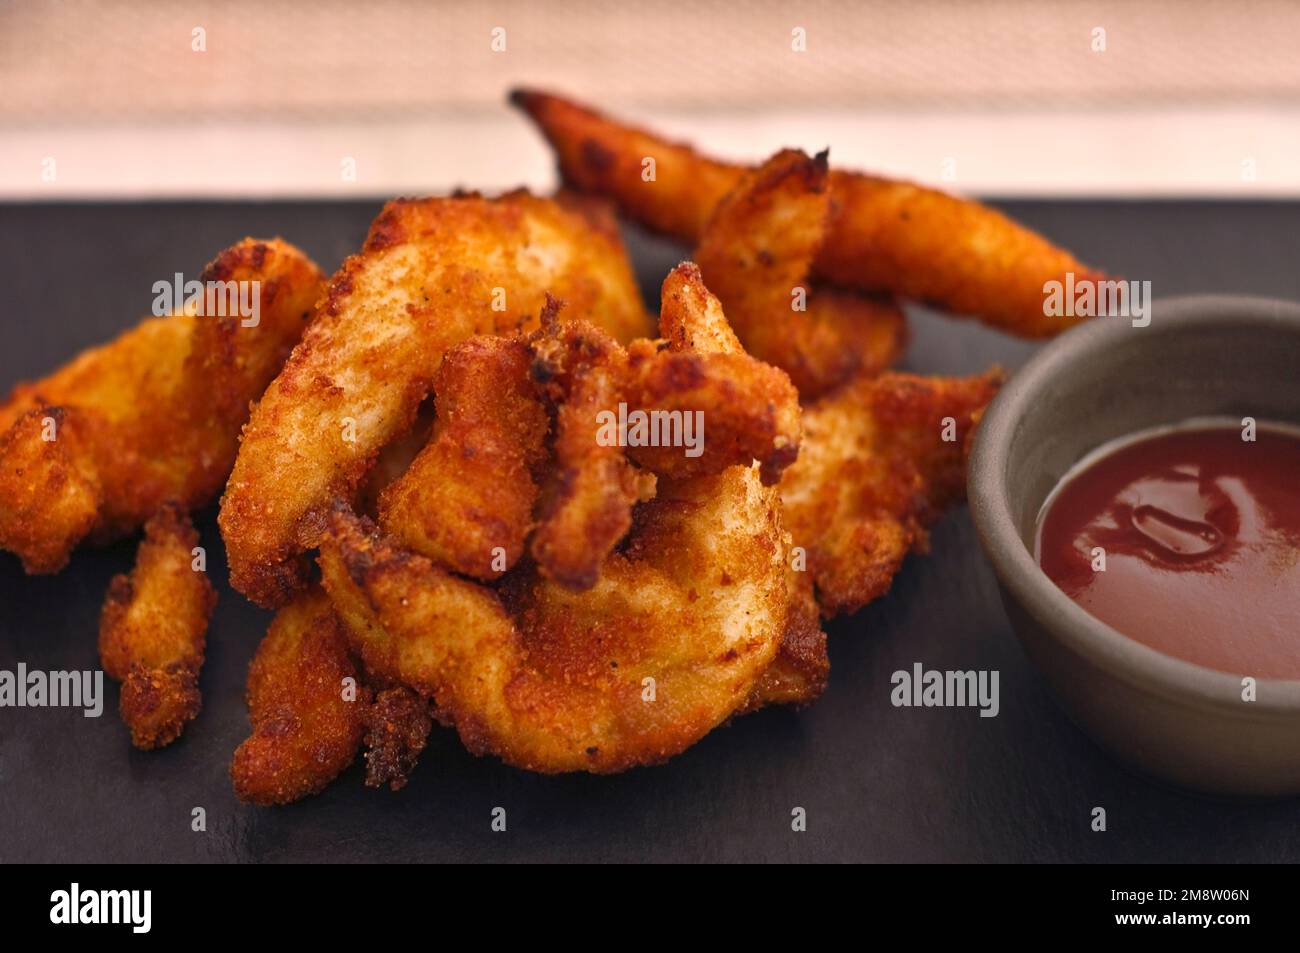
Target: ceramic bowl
1199, 357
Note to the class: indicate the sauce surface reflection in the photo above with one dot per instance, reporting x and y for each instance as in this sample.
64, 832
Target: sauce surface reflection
1198, 531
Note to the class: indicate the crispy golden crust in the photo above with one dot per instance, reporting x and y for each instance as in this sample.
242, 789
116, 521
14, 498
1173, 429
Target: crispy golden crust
883, 235
471, 489
747, 410
229, 365
153, 628
351, 547
397, 727
951, 253
551, 680
751, 409
429, 276
716, 406
875, 470
306, 731
756, 255
669, 640
798, 674
153, 415
600, 156
144, 361
587, 505
49, 500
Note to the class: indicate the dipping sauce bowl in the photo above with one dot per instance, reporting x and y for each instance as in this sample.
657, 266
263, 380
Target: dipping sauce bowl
1199, 357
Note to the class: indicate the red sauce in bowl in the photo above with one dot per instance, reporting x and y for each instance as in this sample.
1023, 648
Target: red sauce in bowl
1198, 531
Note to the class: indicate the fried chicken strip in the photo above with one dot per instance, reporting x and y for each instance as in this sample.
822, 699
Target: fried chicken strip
49, 498
587, 505
883, 235
756, 255
629, 672
470, 492
152, 630
735, 410
432, 273
308, 719
93, 449
747, 410
670, 640
757, 417
880, 460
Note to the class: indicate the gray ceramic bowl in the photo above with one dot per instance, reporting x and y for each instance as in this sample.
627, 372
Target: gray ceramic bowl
1199, 357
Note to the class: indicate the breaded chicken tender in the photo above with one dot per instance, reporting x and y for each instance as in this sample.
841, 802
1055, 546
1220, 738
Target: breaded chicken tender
673, 637
586, 507
469, 494
882, 235
734, 408
92, 450
748, 410
308, 719
629, 672
467, 500
432, 273
880, 460
49, 497
153, 627
756, 255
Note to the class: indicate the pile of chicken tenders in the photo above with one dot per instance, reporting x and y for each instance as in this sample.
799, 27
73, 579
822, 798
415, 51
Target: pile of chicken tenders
481, 487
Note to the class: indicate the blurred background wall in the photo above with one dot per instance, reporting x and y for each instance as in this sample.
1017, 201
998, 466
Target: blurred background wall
1013, 97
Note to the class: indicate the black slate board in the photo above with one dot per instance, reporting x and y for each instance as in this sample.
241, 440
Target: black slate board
878, 783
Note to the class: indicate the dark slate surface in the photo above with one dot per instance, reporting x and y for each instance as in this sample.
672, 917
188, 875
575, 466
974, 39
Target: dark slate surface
878, 783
